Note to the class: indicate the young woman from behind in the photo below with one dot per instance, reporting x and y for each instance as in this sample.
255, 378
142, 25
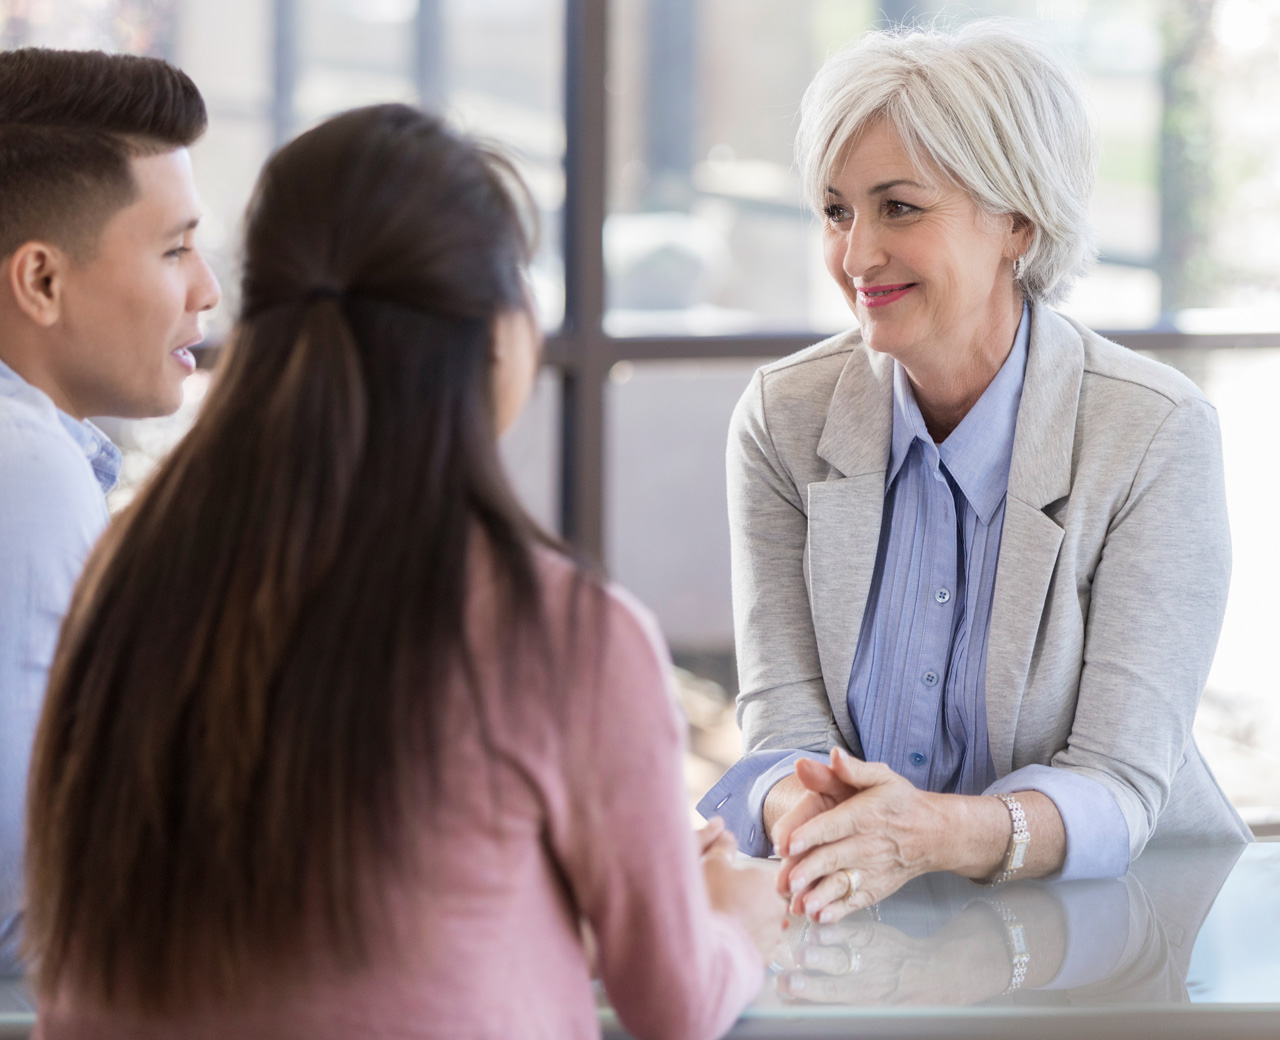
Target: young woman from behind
337, 743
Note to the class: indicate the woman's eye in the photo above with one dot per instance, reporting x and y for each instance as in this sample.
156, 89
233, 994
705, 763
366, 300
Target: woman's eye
179, 251
893, 208
835, 212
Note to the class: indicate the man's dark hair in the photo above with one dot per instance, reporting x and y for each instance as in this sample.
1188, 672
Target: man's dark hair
70, 121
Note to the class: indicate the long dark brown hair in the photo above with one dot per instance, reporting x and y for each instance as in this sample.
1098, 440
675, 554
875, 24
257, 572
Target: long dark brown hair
248, 685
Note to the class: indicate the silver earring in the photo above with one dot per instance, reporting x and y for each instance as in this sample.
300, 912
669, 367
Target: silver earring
1019, 266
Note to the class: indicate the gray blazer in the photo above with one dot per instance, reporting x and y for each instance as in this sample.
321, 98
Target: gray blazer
1110, 586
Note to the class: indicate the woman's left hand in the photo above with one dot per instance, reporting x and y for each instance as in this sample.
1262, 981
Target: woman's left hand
860, 834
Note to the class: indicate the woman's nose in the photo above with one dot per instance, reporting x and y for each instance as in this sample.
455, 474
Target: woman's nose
863, 250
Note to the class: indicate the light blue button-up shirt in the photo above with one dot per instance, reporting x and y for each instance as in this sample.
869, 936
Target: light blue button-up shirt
54, 474
917, 690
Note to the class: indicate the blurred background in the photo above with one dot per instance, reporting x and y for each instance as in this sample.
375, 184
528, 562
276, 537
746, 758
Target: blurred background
675, 255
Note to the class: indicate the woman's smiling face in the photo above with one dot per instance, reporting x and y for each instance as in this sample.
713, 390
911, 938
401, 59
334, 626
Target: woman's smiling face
928, 274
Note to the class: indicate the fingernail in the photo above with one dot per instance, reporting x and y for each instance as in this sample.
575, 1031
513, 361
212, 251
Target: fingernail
810, 906
797, 846
798, 882
827, 916
796, 983
810, 958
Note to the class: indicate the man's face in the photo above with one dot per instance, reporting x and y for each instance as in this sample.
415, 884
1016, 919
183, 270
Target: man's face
129, 314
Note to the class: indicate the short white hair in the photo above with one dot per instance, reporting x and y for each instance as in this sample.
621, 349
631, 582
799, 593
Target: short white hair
993, 109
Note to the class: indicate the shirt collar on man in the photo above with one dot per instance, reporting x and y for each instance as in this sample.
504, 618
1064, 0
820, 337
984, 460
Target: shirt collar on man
978, 452
104, 457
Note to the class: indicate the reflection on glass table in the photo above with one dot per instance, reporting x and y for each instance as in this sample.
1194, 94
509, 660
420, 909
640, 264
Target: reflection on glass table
942, 941
1186, 944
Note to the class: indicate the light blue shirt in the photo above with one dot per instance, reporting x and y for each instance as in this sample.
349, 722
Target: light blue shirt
54, 474
917, 690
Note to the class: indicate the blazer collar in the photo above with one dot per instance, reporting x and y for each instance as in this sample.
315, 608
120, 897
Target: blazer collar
1039, 474
1040, 471
859, 427
857, 435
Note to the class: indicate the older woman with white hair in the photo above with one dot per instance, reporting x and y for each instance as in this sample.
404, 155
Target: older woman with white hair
980, 553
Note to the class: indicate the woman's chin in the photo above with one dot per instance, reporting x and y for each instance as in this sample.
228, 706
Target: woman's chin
879, 338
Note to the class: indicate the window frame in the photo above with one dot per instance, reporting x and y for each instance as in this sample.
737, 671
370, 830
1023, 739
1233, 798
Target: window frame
581, 351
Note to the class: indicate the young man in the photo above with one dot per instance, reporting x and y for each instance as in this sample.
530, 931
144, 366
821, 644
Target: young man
100, 291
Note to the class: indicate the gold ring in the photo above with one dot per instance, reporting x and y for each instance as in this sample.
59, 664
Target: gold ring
855, 882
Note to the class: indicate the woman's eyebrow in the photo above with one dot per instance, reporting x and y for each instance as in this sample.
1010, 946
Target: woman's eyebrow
880, 189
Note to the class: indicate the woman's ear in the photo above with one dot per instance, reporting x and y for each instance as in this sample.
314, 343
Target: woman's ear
1022, 234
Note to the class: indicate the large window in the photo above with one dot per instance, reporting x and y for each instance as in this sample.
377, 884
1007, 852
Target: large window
706, 232
656, 136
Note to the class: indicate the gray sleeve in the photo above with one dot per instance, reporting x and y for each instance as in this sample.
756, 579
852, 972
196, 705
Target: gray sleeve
1158, 597
782, 701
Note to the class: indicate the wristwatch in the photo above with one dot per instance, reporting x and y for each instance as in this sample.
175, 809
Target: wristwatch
1016, 854
1015, 942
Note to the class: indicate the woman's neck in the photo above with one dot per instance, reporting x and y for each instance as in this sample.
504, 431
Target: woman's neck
949, 382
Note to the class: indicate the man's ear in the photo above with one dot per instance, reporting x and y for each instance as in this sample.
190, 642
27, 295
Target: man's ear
36, 273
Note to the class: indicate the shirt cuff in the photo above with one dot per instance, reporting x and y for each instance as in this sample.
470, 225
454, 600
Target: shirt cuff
1097, 918
1097, 834
738, 796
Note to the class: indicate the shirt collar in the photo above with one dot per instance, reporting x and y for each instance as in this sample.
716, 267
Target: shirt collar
978, 452
104, 457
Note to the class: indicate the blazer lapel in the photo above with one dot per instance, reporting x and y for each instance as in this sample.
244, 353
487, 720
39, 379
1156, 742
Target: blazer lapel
844, 519
1039, 474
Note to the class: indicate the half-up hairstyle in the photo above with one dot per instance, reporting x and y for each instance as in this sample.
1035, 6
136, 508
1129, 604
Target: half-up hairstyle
245, 709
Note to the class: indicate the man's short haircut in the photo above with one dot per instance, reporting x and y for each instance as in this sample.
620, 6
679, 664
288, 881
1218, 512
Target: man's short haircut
70, 121
995, 110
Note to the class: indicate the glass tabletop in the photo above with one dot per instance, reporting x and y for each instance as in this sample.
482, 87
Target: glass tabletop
1184, 926
1186, 944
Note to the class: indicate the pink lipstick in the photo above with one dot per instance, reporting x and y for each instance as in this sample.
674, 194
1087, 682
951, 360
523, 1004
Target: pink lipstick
883, 295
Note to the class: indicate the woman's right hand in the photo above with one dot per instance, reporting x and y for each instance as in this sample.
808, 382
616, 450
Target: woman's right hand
746, 892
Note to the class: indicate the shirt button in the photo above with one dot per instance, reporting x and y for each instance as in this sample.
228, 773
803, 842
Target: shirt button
942, 595
930, 678
918, 759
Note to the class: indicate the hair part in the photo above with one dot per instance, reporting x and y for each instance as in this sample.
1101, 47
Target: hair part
70, 122
992, 109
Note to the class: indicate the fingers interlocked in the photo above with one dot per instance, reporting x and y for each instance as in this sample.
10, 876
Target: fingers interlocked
832, 895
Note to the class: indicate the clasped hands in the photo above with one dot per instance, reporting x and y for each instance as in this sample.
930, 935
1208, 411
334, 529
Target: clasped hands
857, 835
